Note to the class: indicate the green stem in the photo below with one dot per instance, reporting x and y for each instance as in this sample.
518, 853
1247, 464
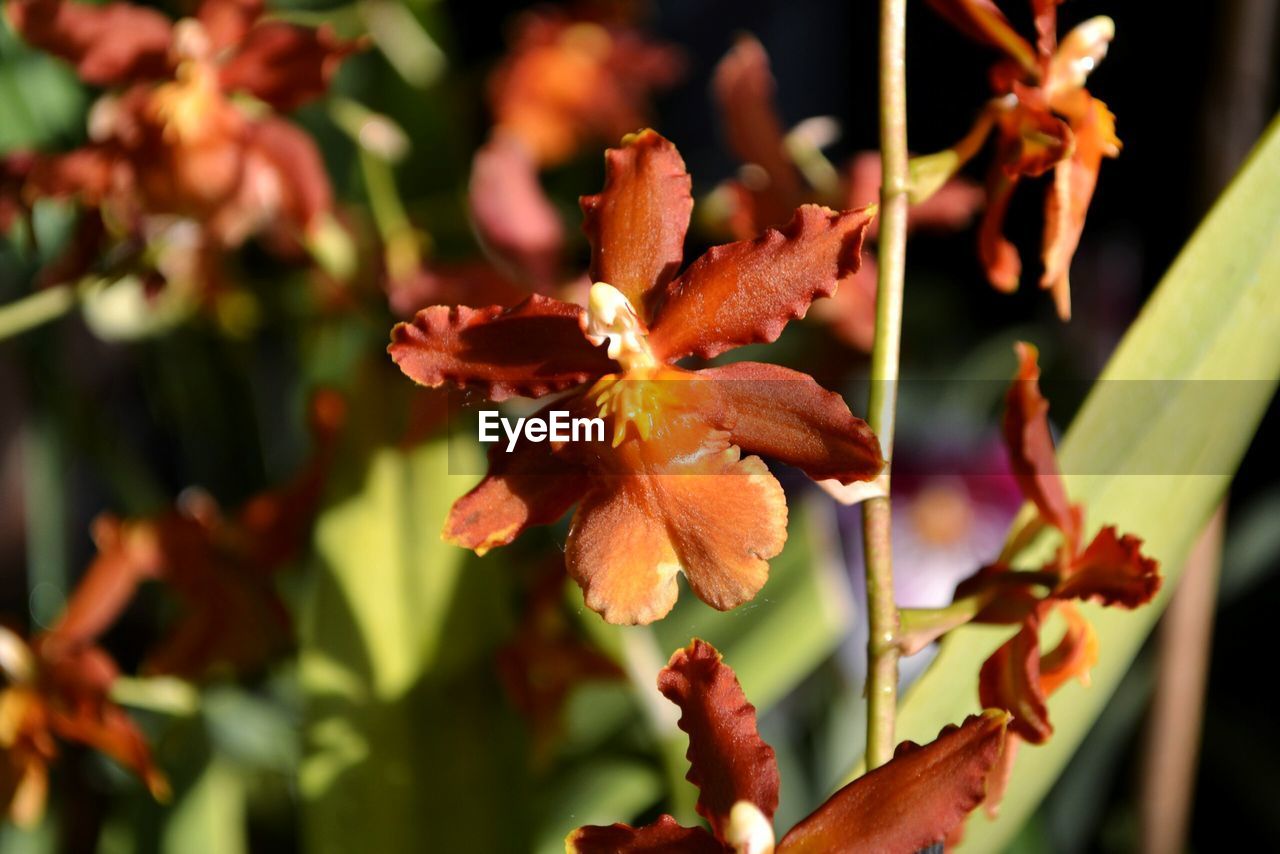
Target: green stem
919, 627
36, 309
882, 612
403, 41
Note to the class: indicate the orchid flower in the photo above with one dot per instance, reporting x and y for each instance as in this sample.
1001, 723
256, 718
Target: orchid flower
918, 799
567, 81
1110, 571
652, 502
49, 694
774, 181
1043, 119
221, 568
175, 137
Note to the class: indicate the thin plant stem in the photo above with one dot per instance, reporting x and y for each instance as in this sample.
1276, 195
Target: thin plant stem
36, 309
882, 612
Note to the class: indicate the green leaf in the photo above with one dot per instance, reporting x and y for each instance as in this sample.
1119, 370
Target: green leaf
40, 98
210, 818
410, 744
1160, 439
597, 793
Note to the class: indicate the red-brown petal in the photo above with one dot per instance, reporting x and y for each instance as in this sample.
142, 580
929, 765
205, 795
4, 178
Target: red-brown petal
911, 802
999, 257
109, 45
747, 292
637, 223
227, 22
664, 836
276, 522
284, 64
1008, 596
84, 174
80, 711
530, 349
998, 782
233, 618
128, 554
534, 484
784, 414
1073, 657
1112, 571
1031, 453
728, 760
568, 79
546, 659
745, 89
1010, 680
620, 554
1045, 14
1032, 138
297, 168
513, 217
982, 20
15, 168
676, 503
1068, 197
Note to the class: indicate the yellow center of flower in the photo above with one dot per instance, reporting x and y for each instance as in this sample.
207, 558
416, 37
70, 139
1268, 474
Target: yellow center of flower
646, 390
637, 397
184, 105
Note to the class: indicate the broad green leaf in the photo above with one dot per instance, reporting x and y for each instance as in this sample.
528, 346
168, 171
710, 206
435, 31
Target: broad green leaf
40, 98
41, 839
210, 818
1160, 435
410, 744
597, 793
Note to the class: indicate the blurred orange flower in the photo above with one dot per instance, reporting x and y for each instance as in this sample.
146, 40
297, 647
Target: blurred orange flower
772, 183
51, 693
169, 141
570, 81
546, 659
221, 569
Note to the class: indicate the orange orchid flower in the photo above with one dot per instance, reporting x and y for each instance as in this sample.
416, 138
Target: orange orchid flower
169, 141
653, 501
1043, 118
1111, 571
222, 569
912, 802
50, 694
568, 81
773, 184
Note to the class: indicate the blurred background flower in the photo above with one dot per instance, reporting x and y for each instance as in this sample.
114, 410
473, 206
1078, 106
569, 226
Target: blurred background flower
443, 163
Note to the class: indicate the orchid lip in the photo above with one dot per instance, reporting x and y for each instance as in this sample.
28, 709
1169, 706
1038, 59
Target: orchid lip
611, 317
